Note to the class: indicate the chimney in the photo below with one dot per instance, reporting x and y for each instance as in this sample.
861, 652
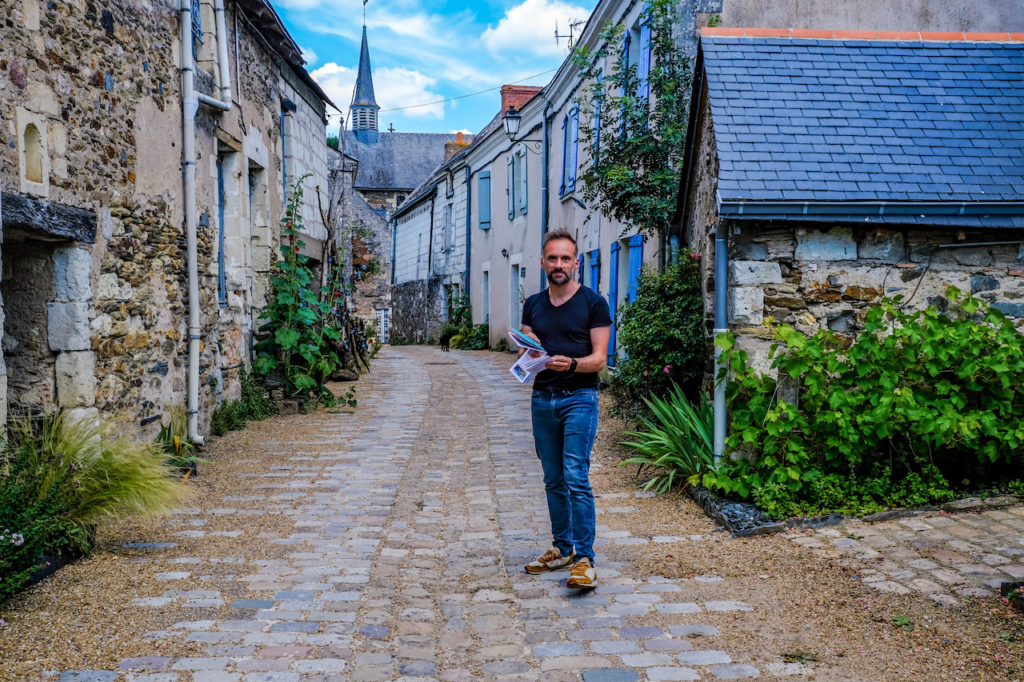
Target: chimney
453, 148
517, 96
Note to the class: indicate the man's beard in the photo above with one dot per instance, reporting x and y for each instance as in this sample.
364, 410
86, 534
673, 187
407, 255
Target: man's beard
558, 273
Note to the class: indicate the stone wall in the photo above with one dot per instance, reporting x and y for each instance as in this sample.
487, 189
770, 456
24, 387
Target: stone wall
814, 277
91, 106
414, 314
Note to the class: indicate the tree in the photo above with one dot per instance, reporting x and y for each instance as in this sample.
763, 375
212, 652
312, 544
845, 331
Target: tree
634, 126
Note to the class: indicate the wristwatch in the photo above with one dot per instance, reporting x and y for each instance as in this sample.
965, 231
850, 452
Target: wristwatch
572, 364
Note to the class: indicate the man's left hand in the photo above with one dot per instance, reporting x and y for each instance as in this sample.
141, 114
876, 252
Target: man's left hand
559, 363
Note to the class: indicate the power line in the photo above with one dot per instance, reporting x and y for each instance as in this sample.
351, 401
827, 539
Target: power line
472, 94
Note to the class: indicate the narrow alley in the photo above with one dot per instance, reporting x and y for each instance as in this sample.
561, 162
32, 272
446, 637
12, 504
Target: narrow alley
387, 542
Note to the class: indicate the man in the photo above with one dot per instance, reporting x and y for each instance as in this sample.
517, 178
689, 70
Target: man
572, 322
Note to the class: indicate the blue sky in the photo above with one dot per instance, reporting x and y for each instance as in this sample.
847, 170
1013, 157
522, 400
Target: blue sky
423, 51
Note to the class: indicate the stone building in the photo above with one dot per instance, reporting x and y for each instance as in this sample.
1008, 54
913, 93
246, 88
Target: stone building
830, 169
148, 150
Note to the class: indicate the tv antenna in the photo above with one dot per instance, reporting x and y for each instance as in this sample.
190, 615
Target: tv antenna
573, 25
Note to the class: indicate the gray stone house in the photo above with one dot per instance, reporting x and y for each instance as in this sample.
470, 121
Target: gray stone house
828, 170
146, 158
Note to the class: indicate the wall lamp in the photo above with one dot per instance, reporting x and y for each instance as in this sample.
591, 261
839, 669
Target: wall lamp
504, 253
511, 120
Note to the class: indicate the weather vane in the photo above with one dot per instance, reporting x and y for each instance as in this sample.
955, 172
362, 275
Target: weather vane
573, 25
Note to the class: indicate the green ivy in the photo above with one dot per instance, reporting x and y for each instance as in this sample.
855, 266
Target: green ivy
634, 177
299, 322
918, 399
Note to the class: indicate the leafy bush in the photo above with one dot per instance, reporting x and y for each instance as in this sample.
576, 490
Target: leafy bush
299, 322
58, 482
677, 443
664, 338
254, 405
473, 338
919, 399
461, 331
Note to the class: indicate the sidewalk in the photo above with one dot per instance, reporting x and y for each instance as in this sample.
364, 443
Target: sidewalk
387, 542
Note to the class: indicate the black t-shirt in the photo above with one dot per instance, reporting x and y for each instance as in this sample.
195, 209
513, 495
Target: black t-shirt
565, 330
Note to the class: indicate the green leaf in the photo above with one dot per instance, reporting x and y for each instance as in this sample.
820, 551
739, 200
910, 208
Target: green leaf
287, 337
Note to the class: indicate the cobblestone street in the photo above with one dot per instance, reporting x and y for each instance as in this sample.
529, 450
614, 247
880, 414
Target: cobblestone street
402, 527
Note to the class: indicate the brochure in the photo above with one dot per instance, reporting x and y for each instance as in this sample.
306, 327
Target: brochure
527, 367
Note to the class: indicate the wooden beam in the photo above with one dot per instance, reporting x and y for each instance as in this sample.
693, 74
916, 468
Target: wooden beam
48, 218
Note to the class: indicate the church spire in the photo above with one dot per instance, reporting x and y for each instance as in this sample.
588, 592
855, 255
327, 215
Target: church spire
364, 104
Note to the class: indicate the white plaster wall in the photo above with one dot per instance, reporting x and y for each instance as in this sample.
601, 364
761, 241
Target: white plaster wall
412, 233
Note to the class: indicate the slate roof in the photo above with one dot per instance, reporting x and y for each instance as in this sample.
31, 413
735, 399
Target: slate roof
396, 161
853, 120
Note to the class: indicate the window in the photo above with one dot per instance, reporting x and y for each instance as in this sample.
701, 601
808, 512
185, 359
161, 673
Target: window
197, 28
517, 186
570, 139
483, 186
33, 149
449, 189
449, 228
636, 50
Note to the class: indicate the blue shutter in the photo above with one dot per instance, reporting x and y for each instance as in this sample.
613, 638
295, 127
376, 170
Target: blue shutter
625, 68
636, 259
565, 151
644, 68
595, 269
523, 186
222, 289
613, 298
483, 186
597, 122
579, 268
574, 138
511, 191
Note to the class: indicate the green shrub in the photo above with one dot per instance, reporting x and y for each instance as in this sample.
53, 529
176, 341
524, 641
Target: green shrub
676, 443
918, 399
663, 336
59, 480
254, 405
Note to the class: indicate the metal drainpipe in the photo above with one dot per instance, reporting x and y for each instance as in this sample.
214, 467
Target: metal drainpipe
430, 267
190, 101
721, 327
190, 104
469, 231
544, 199
222, 51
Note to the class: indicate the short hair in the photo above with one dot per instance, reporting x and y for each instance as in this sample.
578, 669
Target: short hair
560, 233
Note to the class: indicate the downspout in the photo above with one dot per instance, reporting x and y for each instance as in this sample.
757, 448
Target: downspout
222, 51
544, 190
721, 327
190, 101
394, 231
469, 231
188, 149
430, 267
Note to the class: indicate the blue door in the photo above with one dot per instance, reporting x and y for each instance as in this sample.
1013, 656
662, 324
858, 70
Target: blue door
613, 298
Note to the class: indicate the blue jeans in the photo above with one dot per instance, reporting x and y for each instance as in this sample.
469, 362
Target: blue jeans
564, 426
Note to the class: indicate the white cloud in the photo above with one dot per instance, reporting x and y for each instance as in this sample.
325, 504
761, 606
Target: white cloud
398, 87
393, 88
309, 55
530, 28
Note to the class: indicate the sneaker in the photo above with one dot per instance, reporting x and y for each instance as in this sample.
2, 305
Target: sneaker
583, 576
551, 560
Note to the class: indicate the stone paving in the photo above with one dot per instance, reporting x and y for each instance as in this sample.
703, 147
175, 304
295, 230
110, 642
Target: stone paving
403, 560
942, 555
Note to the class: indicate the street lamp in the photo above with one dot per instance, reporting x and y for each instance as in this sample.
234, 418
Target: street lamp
511, 119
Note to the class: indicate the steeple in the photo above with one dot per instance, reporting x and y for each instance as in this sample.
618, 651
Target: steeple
364, 104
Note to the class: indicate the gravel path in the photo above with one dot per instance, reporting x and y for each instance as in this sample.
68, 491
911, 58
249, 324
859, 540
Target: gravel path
387, 541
